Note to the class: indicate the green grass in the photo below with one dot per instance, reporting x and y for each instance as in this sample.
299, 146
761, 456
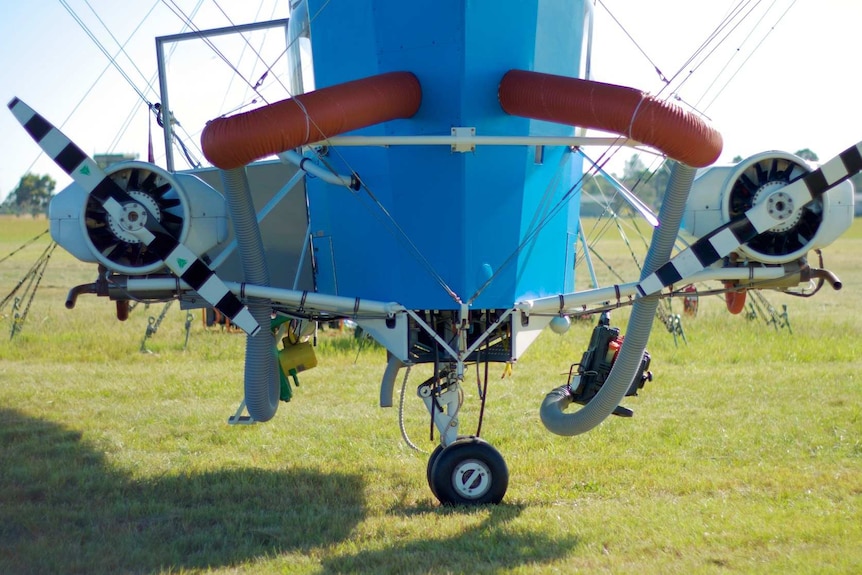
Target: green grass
744, 455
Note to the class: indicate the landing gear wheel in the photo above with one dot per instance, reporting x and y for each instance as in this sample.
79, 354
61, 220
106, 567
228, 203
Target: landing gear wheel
431, 461
468, 472
433, 458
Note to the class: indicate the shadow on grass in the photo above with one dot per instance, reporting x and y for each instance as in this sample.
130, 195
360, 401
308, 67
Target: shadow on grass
490, 546
64, 510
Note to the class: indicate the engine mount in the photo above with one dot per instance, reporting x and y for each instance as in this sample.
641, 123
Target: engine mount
189, 209
722, 193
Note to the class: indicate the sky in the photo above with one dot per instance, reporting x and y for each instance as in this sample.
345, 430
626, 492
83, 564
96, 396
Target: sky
783, 79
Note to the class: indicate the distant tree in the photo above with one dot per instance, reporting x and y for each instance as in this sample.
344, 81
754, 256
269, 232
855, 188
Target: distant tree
32, 194
807, 155
599, 194
737, 159
648, 185
633, 168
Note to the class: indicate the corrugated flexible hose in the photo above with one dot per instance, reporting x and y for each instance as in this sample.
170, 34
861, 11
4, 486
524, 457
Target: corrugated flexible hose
640, 323
261, 373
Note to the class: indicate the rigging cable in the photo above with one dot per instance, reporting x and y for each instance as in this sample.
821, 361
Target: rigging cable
33, 278
188, 22
22, 246
111, 61
122, 46
257, 84
399, 233
736, 52
381, 212
638, 46
530, 236
711, 40
104, 51
150, 84
242, 55
173, 7
744, 62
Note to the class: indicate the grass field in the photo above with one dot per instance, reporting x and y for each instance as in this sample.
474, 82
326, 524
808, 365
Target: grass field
744, 455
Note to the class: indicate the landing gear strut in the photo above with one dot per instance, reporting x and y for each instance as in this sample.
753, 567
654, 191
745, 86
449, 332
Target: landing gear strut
461, 470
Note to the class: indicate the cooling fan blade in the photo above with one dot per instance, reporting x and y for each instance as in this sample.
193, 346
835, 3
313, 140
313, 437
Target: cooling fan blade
792, 235
163, 198
133, 216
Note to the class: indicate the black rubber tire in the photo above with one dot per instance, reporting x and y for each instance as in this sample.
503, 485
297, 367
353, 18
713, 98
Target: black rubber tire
431, 460
433, 457
470, 471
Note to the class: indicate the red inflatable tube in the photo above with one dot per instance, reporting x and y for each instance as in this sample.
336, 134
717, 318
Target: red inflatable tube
681, 135
235, 141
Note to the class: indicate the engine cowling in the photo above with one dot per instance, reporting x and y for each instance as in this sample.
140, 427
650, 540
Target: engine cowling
189, 209
721, 193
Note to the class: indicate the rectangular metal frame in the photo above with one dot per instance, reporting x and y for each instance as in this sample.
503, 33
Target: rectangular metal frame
198, 35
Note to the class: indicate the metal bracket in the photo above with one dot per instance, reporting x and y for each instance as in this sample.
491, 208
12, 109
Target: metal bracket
443, 406
463, 133
238, 418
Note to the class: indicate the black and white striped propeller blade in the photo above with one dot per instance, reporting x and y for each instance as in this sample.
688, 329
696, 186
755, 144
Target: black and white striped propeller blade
721, 242
146, 227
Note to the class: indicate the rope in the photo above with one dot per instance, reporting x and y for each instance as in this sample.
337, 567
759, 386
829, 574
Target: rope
33, 278
401, 425
153, 326
22, 246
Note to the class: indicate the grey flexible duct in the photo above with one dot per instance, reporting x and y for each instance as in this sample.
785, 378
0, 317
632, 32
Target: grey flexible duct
637, 333
261, 375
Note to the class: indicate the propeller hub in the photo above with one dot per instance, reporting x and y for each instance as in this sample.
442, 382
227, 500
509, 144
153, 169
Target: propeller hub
134, 217
779, 204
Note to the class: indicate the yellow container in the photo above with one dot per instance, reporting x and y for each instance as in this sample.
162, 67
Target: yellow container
296, 356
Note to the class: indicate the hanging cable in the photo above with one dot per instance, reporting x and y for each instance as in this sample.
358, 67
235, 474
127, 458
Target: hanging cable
401, 424
104, 51
33, 279
111, 62
744, 62
21, 247
255, 86
178, 12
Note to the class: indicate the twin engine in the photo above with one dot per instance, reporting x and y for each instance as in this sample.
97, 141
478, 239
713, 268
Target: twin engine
196, 214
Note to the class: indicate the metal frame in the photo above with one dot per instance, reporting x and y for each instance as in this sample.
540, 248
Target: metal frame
197, 35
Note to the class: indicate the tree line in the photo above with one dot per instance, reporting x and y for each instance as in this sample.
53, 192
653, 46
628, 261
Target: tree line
30, 196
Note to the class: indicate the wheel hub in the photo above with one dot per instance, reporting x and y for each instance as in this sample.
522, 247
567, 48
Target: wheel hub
471, 479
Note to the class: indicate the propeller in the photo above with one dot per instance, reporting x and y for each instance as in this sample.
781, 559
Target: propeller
777, 210
133, 217
121, 249
758, 181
